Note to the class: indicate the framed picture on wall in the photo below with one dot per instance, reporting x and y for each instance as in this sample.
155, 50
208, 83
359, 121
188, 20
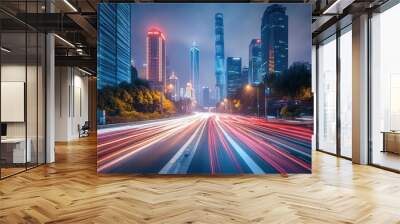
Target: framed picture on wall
204, 88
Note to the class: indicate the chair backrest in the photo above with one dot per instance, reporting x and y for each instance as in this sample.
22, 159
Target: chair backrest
86, 124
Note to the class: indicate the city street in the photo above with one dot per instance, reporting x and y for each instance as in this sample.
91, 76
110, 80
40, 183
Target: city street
206, 143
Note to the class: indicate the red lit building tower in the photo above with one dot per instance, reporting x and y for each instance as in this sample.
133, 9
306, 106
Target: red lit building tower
156, 57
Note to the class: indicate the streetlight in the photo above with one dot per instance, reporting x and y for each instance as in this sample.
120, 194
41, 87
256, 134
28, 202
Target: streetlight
248, 87
170, 87
257, 84
222, 104
267, 91
225, 104
162, 98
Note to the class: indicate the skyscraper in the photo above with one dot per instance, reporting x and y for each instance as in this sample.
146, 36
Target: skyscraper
255, 61
194, 69
274, 39
189, 91
219, 56
245, 76
156, 57
234, 76
143, 72
134, 74
206, 97
114, 49
173, 81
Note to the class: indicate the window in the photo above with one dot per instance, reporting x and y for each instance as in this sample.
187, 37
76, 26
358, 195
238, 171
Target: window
385, 89
346, 92
327, 96
22, 78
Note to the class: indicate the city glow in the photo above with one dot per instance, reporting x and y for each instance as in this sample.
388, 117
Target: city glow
248, 87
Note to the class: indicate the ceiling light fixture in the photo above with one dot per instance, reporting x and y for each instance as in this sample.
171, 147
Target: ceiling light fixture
337, 7
84, 71
331, 7
70, 5
5, 50
64, 40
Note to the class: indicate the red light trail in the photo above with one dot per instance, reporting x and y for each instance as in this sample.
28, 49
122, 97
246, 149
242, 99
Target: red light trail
206, 143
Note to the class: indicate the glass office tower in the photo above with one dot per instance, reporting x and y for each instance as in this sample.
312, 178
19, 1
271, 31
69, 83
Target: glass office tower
245, 75
255, 60
194, 69
234, 76
274, 39
114, 44
123, 36
219, 56
206, 97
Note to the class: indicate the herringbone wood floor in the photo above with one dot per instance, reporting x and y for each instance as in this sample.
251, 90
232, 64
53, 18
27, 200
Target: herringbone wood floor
70, 191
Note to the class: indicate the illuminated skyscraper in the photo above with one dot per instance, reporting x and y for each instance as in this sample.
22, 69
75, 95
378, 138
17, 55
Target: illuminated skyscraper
143, 72
234, 76
206, 97
156, 57
219, 56
194, 69
189, 91
173, 82
245, 76
114, 50
255, 61
274, 39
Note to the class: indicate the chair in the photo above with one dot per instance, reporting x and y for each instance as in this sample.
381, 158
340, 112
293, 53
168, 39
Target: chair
84, 130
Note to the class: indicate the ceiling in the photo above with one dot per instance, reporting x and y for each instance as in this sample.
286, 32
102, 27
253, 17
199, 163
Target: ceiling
75, 22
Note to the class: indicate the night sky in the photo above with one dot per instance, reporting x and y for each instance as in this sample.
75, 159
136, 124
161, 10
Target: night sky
184, 23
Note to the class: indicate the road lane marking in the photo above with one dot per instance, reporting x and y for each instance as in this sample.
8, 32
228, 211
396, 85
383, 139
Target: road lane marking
156, 123
180, 162
266, 137
247, 159
116, 157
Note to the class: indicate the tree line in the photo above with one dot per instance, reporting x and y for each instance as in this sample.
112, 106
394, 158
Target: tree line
287, 94
134, 101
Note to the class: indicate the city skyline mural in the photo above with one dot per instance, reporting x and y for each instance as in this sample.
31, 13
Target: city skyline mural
204, 88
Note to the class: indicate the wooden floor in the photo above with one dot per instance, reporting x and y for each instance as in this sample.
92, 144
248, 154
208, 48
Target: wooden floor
70, 191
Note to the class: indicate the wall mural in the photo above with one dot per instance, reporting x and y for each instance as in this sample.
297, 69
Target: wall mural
204, 88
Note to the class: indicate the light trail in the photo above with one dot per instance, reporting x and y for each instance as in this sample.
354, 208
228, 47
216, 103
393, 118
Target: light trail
206, 143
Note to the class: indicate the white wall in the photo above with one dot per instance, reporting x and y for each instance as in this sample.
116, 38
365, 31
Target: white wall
14, 73
71, 102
